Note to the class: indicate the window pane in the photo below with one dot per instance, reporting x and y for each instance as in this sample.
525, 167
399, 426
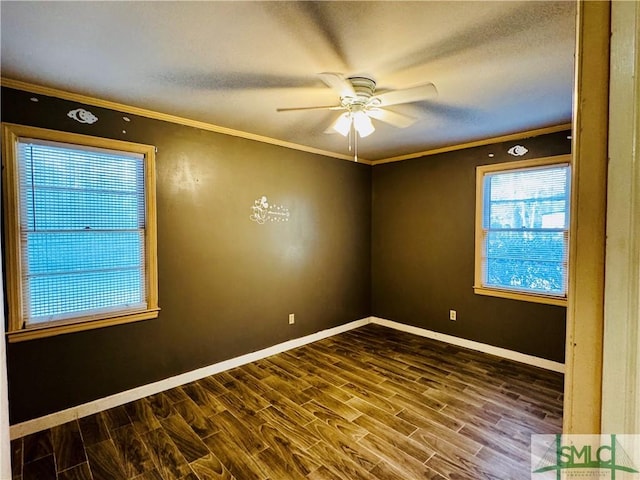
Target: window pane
535, 276
525, 223
530, 213
526, 260
65, 294
83, 251
83, 221
533, 198
81, 210
533, 245
74, 189
60, 166
526, 184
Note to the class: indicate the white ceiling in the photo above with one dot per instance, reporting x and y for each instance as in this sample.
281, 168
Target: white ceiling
500, 67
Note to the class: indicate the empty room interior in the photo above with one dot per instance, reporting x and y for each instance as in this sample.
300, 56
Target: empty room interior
316, 240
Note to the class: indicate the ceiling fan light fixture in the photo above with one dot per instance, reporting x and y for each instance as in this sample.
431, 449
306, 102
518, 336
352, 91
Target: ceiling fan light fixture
343, 124
362, 123
360, 103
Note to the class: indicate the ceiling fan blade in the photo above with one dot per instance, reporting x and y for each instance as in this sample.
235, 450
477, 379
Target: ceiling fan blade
392, 118
407, 95
325, 107
338, 83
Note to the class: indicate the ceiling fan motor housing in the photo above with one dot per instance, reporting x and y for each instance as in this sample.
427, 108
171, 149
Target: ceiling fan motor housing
364, 88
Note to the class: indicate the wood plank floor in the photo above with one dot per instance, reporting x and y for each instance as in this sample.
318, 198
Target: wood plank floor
371, 403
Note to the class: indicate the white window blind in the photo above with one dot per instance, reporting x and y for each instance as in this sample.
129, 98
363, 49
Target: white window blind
525, 227
82, 231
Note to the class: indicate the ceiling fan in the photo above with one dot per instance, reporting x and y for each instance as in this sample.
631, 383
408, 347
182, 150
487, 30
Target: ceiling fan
360, 103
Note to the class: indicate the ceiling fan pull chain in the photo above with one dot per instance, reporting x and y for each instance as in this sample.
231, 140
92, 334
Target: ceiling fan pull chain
355, 141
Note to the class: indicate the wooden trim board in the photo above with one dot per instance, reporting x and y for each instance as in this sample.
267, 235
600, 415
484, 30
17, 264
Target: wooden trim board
5, 448
472, 345
143, 112
621, 360
58, 418
478, 143
480, 239
14, 242
585, 303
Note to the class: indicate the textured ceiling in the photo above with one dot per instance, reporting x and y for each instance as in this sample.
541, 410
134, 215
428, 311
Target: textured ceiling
499, 67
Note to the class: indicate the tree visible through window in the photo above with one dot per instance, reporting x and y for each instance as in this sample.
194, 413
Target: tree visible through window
522, 233
81, 233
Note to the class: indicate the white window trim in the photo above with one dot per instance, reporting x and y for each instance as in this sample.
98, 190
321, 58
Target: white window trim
478, 287
11, 134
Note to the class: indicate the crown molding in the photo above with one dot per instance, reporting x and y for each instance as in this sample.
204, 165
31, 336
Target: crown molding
143, 112
478, 143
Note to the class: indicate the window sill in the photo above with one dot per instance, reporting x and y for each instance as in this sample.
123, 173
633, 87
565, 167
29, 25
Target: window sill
79, 325
526, 297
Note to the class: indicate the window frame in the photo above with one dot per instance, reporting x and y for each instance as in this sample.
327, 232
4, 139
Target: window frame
514, 294
17, 331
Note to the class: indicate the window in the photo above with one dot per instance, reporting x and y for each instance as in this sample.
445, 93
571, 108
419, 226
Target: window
80, 232
522, 229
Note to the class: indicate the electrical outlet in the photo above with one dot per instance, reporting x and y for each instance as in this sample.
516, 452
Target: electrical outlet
292, 318
453, 315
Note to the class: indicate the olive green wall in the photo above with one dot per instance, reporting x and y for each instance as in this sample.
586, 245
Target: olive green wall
226, 283
423, 252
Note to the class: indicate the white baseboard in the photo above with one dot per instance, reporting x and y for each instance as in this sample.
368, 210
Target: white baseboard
480, 347
58, 418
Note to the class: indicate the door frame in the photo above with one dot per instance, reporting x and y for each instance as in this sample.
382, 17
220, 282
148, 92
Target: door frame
621, 340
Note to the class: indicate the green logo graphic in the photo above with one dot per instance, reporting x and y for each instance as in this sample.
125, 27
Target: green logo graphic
608, 455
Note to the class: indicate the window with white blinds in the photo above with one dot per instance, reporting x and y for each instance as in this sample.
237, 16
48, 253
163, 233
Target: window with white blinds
522, 235
83, 232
